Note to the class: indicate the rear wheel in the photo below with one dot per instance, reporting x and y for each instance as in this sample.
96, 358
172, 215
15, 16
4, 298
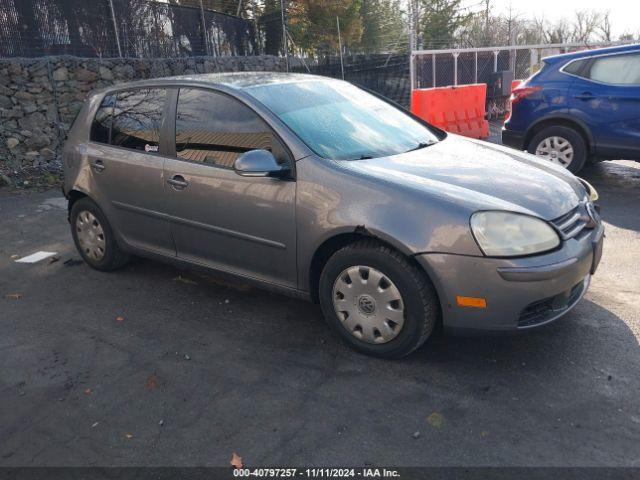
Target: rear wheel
561, 145
378, 302
94, 237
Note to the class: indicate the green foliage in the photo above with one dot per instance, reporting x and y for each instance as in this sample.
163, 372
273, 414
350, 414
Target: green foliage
313, 23
440, 21
383, 26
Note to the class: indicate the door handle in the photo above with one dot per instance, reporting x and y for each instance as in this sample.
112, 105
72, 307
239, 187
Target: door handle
178, 182
98, 166
585, 96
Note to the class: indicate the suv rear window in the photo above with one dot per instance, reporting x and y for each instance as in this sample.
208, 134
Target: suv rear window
130, 119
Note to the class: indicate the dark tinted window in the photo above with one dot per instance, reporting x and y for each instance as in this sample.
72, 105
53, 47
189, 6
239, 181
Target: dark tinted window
101, 126
216, 129
575, 67
137, 118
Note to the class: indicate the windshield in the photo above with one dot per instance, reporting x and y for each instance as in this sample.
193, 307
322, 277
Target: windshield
342, 122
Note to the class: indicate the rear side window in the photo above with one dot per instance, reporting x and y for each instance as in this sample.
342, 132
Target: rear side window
575, 67
101, 126
216, 129
616, 69
137, 118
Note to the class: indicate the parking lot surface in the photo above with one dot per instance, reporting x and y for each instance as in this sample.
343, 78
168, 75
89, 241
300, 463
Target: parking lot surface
152, 365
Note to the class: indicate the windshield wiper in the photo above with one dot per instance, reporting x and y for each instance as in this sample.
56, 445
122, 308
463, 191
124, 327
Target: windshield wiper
421, 145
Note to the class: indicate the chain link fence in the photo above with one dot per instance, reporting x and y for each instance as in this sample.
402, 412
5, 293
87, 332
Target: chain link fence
120, 28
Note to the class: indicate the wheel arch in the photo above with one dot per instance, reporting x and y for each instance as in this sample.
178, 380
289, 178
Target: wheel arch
340, 240
564, 121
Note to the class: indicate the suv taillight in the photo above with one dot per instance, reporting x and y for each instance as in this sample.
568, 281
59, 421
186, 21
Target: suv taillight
522, 92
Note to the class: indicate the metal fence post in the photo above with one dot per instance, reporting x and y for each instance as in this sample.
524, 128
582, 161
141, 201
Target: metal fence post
340, 45
475, 69
433, 70
285, 47
455, 68
115, 28
205, 36
495, 60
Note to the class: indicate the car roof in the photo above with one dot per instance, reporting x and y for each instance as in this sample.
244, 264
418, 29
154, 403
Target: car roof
233, 80
596, 51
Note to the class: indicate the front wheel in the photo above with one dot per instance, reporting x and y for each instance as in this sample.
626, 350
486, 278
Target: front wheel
378, 302
560, 145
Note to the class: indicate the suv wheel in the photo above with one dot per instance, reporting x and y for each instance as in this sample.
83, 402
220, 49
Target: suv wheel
94, 237
561, 145
377, 301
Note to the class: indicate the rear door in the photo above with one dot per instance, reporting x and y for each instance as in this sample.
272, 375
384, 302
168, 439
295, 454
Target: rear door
244, 225
127, 159
606, 96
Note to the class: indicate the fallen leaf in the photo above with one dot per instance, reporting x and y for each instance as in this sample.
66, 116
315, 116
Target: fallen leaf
119, 318
128, 435
88, 391
186, 280
54, 260
152, 382
236, 460
95, 425
14, 257
436, 420
484, 433
14, 296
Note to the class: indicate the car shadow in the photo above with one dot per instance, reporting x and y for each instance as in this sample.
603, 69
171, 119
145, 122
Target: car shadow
618, 184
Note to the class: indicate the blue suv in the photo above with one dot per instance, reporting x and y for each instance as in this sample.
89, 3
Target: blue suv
579, 106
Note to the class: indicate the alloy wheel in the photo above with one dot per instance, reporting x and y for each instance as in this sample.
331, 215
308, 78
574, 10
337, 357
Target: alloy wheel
556, 149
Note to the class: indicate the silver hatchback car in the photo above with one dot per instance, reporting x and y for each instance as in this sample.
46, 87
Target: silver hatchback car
319, 189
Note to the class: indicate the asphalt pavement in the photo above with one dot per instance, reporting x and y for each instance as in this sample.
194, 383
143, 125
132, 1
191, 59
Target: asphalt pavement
152, 365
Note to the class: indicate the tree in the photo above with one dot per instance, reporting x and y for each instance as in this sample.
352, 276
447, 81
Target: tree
383, 27
313, 23
441, 21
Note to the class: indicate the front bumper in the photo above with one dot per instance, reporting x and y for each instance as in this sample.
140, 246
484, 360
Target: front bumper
520, 293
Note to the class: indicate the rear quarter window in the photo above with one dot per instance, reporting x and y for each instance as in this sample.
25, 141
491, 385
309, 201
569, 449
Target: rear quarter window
101, 125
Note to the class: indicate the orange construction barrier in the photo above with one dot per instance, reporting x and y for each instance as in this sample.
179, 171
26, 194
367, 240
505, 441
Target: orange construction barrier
459, 109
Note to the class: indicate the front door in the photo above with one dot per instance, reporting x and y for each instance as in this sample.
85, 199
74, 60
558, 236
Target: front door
606, 95
127, 167
244, 225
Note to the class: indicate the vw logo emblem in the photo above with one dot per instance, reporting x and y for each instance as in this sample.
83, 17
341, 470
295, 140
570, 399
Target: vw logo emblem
366, 304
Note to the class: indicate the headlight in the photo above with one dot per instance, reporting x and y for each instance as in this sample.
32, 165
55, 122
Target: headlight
507, 234
592, 192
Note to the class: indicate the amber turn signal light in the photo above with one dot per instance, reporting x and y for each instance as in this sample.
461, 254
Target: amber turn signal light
474, 302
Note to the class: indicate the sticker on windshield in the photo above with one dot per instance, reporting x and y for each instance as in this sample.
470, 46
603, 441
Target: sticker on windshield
150, 148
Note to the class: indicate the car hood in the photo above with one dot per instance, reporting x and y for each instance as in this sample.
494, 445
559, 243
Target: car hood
479, 174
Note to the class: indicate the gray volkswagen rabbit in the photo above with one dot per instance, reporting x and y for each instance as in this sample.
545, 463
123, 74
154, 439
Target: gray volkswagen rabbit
318, 189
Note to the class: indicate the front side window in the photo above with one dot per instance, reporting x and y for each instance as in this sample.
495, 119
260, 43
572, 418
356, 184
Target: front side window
342, 122
101, 126
137, 119
215, 129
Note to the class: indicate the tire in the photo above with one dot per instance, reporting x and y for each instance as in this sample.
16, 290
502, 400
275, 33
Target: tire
419, 301
113, 257
575, 140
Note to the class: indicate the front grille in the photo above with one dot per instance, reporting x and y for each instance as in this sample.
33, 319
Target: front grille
571, 224
543, 310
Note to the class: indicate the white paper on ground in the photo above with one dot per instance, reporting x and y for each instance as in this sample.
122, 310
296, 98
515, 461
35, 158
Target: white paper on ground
36, 257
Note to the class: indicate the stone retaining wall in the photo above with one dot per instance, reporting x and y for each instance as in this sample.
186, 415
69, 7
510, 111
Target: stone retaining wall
40, 97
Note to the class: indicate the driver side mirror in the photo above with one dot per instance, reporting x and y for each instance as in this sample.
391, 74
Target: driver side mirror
259, 163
